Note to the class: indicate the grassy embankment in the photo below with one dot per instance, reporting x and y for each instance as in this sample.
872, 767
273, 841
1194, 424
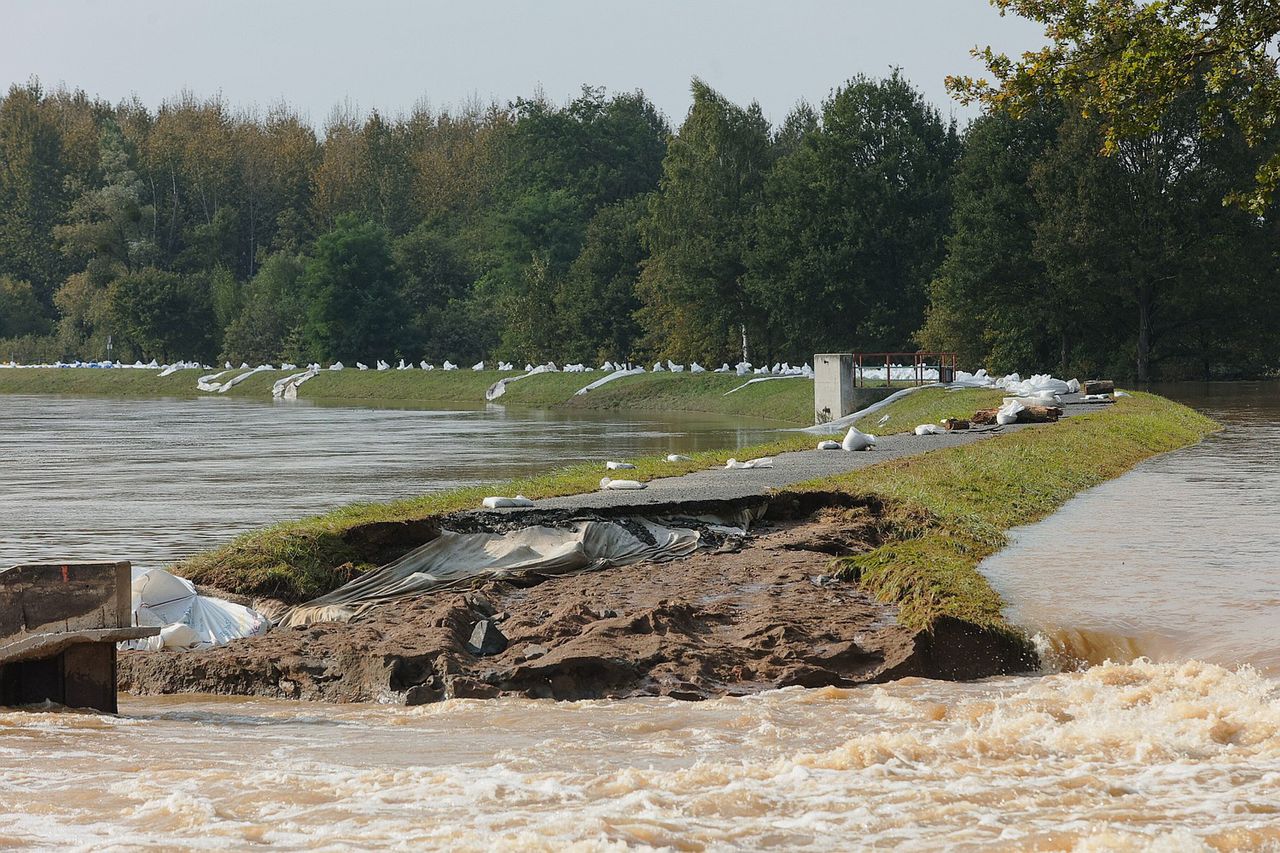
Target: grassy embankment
298, 560
946, 510
785, 400
950, 509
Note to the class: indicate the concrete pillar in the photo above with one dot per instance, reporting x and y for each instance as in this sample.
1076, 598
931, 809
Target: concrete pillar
833, 388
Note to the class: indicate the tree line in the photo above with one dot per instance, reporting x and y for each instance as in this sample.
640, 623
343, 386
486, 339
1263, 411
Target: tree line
595, 230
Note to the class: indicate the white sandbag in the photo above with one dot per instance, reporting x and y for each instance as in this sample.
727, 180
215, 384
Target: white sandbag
618, 373
762, 462
621, 485
162, 600
619, 466
209, 383
930, 429
178, 637
236, 380
678, 457
1073, 386
856, 439
1028, 402
505, 503
1008, 413
1047, 398
1038, 382
479, 365
828, 444
1123, 394
697, 368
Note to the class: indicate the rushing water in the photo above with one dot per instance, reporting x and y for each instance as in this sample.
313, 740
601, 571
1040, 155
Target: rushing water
1172, 754
151, 481
1186, 549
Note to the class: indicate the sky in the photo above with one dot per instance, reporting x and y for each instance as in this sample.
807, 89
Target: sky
394, 54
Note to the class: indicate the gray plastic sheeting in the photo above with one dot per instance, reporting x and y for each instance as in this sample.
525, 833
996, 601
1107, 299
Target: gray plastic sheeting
455, 558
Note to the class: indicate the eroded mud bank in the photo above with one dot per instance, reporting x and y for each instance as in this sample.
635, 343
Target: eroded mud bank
742, 616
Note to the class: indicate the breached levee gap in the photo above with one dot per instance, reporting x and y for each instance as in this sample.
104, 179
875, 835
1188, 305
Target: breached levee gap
1069, 649
465, 549
690, 600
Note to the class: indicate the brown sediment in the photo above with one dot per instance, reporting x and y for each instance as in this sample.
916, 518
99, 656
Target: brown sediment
754, 615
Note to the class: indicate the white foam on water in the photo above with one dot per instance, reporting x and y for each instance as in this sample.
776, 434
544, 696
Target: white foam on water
1120, 756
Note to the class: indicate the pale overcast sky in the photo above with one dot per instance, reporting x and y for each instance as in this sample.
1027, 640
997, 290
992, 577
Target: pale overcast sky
391, 54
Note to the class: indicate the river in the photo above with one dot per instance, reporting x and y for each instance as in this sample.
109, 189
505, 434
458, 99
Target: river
152, 481
1177, 752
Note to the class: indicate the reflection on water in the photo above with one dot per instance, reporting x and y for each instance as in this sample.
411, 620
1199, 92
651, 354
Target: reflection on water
1179, 558
154, 480
1120, 756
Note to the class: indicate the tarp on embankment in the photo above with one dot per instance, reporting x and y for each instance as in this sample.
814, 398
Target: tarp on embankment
187, 619
455, 558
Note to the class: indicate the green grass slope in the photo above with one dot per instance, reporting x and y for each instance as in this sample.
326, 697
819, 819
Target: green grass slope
785, 400
949, 508
955, 505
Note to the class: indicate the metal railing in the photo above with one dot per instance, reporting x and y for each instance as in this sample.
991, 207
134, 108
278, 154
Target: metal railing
907, 367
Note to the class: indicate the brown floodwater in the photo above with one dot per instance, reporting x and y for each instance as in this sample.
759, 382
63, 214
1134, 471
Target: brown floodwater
1177, 752
1178, 559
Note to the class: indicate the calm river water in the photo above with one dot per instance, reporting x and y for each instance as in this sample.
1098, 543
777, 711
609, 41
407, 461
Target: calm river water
1179, 560
154, 480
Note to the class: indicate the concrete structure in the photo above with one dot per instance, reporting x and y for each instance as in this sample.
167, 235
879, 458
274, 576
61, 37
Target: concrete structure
835, 388
59, 625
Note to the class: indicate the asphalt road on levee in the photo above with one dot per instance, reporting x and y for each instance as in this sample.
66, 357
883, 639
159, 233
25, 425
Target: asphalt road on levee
720, 484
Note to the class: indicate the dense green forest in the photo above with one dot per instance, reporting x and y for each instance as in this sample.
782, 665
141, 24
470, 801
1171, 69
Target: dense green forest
597, 230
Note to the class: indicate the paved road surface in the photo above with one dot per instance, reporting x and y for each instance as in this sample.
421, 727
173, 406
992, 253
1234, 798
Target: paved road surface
788, 469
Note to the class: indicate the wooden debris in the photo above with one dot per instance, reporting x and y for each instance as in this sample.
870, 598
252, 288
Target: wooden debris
952, 424
1028, 415
1039, 414
1097, 386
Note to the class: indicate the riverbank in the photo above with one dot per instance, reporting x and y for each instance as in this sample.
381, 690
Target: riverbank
865, 576
787, 400
299, 560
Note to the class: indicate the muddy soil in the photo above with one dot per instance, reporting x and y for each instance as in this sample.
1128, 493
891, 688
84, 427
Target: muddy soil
759, 615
